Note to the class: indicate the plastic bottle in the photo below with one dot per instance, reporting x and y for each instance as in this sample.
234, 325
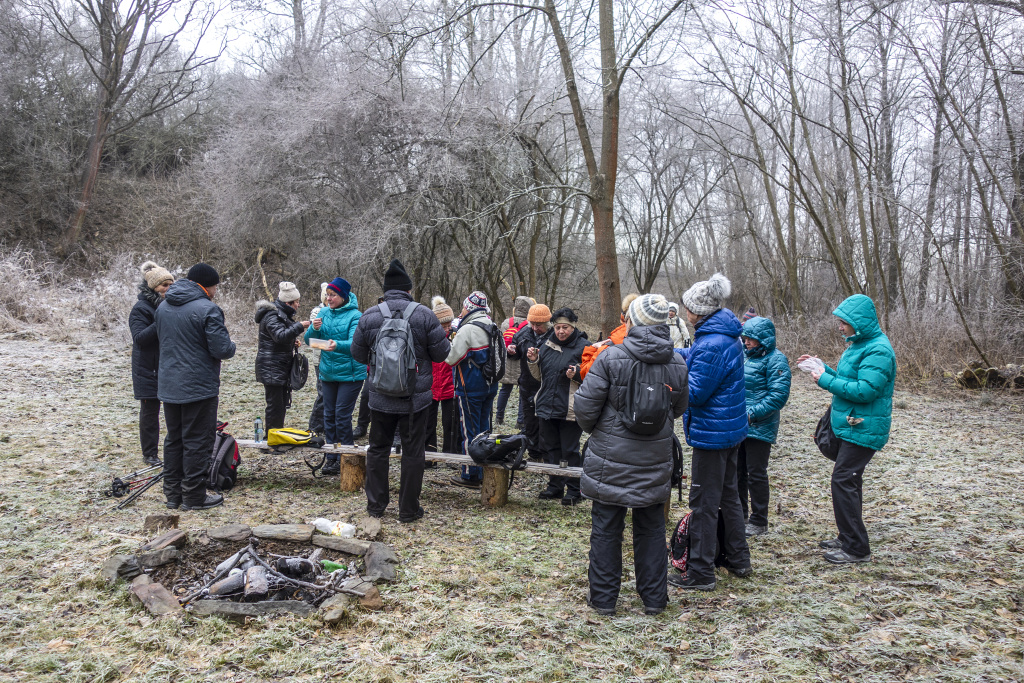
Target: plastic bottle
258, 429
326, 526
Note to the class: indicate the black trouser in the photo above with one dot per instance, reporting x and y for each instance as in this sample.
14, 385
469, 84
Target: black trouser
450, 433
277, 397
752, 478
560, 440
363, 421
316, 417
847, 497
149, 426
503, 393
713, 486
605, 573
412, 431
531, 425
191, 430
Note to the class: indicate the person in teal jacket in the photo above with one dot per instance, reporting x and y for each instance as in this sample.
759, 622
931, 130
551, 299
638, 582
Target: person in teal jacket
861, 386
341, 377
767, 379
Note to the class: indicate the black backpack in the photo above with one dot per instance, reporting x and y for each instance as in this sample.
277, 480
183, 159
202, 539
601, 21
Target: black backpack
493, 368
224, 462
648, 404
501, 450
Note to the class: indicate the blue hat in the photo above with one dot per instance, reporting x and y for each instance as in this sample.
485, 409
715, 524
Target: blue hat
341, 286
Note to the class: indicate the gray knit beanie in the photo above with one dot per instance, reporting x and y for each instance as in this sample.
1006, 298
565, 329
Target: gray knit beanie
704, 298
649, 309
287, 292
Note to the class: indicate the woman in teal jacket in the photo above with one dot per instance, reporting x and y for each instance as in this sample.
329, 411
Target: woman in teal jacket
340, 375
767, 379
861, 387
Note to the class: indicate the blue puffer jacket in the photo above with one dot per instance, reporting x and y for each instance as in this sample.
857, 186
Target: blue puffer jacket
767, 377
717, 416
340, 325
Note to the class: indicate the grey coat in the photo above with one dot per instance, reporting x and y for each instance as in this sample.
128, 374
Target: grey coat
621, 467
193, 342
431, 347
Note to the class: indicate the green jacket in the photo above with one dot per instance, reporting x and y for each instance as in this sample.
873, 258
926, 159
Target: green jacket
767, 377
862, 384
340, 325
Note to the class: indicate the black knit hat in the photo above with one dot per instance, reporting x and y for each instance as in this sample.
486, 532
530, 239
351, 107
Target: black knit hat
203, 274
397, 278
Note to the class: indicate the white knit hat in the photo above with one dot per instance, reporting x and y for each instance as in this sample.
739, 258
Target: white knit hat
704, 298
287, 292
649, 309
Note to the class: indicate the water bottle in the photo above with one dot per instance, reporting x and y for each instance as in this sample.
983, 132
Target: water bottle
258, 428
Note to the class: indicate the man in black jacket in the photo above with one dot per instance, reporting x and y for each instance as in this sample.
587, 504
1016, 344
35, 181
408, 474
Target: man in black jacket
193, 342
623, 469
524, 339
407, 416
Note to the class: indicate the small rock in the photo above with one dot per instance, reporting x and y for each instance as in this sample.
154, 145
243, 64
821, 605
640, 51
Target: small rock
368, 527
371, 601
202, 539
380, 563
120, 567
300, 533
352, 546
138, 581
335, 608
158, 558
238, 611
157, 599
174, 537
162, 521
231, 533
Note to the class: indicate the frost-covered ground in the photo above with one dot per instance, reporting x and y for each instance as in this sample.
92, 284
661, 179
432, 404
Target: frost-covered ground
500, 594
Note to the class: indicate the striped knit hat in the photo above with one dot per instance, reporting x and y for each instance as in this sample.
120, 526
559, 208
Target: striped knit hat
704, 298
751, 313
475, 301
649, 309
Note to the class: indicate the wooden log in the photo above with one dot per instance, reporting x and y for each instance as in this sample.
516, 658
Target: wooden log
256, 584
494, 490
353, 472
228, 585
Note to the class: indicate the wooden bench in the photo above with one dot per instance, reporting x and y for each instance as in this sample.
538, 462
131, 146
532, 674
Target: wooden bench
493, 492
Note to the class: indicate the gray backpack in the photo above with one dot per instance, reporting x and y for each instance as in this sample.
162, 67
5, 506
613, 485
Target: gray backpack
394, 354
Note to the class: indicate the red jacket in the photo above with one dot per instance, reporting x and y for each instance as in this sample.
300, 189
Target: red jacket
444, 382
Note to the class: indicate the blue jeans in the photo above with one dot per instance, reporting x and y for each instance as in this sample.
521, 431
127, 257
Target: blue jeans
503, 395
476, 419
339, 402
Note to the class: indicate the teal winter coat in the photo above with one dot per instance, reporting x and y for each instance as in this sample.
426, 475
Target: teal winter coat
767, 378
862, 384
340, 325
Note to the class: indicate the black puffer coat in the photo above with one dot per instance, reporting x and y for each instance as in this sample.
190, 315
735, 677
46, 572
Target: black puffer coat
621, 467
431, 346
145, 347
554, 399
525, 339
278, 332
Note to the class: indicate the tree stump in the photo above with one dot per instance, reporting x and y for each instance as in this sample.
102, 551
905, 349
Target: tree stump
494, 490
353, 472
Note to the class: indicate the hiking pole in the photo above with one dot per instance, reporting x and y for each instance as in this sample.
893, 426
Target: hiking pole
139, 491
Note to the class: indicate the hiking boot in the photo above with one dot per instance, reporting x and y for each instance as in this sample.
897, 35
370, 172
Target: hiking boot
359, 432
151, 460
830, 544
212, 501
754, 530
689, 583
550, 494
501, 419
173, 504
412, 518
603, 611
572, 499
741, 572
653, 611
375, 514
465, 483
331, 468
843, 557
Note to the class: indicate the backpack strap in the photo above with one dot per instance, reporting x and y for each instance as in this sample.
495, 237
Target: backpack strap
384, 310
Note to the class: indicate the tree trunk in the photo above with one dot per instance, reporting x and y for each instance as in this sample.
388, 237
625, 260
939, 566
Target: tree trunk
89, 176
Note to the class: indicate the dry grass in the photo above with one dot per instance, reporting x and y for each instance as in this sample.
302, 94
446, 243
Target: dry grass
499, 595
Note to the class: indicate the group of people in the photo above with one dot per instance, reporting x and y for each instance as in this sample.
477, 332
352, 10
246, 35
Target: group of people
729, 383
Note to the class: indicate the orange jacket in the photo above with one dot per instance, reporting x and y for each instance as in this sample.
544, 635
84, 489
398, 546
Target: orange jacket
591, 353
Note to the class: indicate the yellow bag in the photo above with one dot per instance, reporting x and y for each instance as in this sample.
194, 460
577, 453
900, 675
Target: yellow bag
287, 436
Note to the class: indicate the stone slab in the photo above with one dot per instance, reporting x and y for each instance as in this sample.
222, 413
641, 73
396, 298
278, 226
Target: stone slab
352, 546
238, 611
335, 609
157, 599
158, 558
230, 533
380, 563
174, 537
368, 527
120, 567
298, 533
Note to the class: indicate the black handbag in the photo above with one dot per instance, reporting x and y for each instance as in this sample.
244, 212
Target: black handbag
825, 439
300, 372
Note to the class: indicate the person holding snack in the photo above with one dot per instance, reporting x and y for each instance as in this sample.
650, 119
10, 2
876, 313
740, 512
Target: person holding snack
146, 355
278, 338
341, 377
